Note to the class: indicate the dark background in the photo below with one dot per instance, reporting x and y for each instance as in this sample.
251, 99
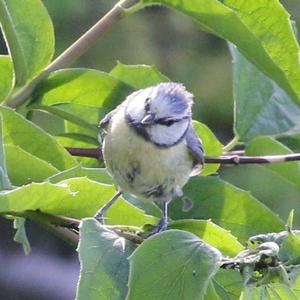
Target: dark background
155, 36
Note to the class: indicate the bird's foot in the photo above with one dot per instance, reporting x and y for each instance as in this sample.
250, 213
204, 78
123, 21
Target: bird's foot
99, 216
161, 226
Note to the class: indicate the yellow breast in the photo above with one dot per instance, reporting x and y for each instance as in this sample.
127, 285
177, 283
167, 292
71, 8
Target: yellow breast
142, 168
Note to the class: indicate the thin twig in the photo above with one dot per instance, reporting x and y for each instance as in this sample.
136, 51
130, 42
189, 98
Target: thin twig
62, 227
86, 152
235, 157
238, 160
67, 228
75, 50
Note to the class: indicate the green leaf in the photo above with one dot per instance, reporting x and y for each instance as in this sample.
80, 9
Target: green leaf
290, 249
227, 206
261, 29
276, 185
6, 76
24, 167
228, 284
29, 34
104, 264
138, 76
289, 171
269, 187
274, 291
154, 275
20, 235
211, 293
211, 234
80, 96
211, 145
4, 180
291, 139
95, 174
20, 132
261, 107
75, 197
84, 87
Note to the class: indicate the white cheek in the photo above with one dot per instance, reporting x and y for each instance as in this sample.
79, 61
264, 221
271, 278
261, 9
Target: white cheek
164, 135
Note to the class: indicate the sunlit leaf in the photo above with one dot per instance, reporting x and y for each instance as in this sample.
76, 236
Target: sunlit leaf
23, 167
4, 180
211, 145
6, 76
28, 31
138, 76
95, 174
261, 29
20, 132
75, 197
211, 234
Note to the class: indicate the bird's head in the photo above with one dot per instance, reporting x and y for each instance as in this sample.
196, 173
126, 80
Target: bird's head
161, 114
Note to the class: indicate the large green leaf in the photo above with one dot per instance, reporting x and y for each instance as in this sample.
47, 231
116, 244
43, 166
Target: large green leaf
276, 185
4, 181
29, 34
76, 197
228, 206
104, 264
261, 107
276, 291
6, 77
172, 265
23, 167
80, 96
210, 233
261, 29
82, 86
211, 145
138, 76
20, 132
96, 174
289, 171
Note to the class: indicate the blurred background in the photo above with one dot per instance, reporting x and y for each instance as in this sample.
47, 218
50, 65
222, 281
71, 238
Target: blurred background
155, 36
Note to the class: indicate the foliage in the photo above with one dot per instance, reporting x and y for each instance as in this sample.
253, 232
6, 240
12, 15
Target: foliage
200, 254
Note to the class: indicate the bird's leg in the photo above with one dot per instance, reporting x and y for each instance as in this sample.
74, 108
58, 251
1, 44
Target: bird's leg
99, 216
163, 223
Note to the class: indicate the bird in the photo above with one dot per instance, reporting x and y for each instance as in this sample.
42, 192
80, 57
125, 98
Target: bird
150, 147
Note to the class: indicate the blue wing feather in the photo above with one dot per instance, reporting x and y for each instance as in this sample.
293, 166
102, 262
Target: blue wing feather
194, 144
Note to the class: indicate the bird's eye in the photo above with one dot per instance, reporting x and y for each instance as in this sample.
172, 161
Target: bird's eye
166, 122
147, 104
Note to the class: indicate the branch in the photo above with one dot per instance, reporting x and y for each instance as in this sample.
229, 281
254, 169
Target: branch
67, 228
233, 158
75, 50
62, 227
86, 152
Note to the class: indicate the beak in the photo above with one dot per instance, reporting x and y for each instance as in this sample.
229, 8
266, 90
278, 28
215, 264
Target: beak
148, 119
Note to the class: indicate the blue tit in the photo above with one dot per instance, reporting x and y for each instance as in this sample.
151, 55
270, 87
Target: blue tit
150, 147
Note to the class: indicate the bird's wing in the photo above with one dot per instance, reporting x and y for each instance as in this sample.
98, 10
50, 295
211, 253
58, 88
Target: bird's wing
194, 144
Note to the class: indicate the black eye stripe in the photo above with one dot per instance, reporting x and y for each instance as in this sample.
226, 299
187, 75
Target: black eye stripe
169, 122
165, 122
147, 104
